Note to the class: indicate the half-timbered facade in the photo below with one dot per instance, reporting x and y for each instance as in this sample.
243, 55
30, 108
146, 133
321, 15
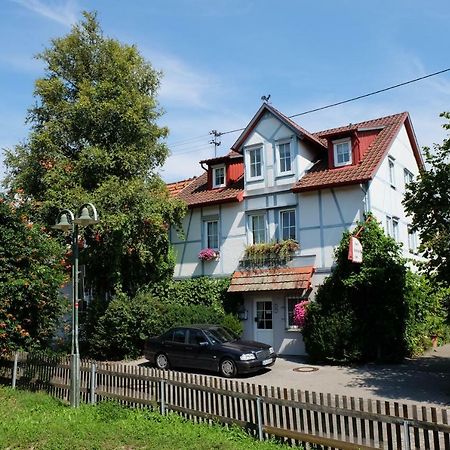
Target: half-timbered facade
280, 182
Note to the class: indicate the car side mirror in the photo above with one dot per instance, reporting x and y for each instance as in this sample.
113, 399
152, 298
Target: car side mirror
203, 344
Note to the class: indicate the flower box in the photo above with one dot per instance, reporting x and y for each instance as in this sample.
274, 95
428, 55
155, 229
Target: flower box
209, 254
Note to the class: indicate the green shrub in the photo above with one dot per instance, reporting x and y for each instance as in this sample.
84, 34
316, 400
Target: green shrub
360, 312
426, 313
122, 330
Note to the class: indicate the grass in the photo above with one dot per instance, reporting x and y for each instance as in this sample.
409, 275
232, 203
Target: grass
38, 421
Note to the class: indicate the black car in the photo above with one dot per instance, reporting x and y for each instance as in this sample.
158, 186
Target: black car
208, 347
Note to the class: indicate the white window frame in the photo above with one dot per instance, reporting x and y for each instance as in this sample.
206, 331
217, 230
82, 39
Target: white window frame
214, 169
248, 151
278, 157
205, 224
408, 177
412, 240
391, 168
250, 218
282, 212
350, 151
389, 227
396, 229
286, 306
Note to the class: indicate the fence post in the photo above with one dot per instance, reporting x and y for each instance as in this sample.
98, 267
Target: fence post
93, 383
162, 385
14, 374
407, 445
259, 403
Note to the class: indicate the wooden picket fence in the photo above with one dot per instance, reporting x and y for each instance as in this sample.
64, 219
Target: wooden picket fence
293, 416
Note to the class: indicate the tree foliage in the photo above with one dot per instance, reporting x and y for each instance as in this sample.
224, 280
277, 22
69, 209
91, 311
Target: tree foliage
95, 138
31, 273
428, 201
359, 313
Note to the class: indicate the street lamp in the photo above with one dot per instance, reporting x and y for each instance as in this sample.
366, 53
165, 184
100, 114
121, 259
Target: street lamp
87, 215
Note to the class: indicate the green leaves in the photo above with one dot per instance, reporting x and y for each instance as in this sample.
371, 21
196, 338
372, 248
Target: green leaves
31, 275
95, 138
428, 201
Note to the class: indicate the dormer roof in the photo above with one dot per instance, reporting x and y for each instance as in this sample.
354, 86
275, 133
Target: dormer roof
321, 175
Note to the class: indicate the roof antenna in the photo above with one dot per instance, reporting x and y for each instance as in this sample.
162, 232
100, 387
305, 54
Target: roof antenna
215, 140
265, 99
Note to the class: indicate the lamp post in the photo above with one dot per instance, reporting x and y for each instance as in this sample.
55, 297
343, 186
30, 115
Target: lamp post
87, 215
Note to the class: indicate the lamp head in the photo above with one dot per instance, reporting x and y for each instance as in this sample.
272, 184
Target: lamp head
85, 218
63, 224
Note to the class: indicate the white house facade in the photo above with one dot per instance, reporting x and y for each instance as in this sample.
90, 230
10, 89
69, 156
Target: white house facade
281, 182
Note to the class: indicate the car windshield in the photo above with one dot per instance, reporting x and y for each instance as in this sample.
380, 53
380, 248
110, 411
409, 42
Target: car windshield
220, 335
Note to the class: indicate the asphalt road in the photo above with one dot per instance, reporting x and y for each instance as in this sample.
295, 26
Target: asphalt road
421, 380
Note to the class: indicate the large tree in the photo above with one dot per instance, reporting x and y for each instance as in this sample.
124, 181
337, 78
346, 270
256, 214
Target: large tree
95, 138
428, 201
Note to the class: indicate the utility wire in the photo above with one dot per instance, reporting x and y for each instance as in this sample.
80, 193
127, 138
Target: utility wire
331, 105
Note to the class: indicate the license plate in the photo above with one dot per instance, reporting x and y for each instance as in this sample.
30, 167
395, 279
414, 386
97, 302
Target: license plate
267, 361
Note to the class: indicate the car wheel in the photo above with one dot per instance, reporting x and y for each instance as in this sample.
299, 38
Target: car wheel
162, 362
227, 368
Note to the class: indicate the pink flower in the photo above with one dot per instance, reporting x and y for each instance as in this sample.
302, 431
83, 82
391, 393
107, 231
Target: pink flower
208, 254
301, 313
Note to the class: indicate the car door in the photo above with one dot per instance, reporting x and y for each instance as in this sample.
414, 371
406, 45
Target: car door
199, 351
176, 348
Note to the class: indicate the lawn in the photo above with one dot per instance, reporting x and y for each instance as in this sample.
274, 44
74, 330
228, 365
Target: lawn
38, 421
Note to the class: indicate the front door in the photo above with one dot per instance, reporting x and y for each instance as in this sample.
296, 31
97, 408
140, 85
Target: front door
263, 322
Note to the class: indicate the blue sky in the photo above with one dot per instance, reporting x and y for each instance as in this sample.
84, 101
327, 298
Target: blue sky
220, 56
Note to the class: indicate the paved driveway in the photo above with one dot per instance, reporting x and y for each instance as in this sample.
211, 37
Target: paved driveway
421, 380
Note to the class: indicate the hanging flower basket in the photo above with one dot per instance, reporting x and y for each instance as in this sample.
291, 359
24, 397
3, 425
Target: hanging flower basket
301, 313
209, 254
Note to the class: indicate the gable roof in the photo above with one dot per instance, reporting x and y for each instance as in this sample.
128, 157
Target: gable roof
197, 193
321, 176
297, 129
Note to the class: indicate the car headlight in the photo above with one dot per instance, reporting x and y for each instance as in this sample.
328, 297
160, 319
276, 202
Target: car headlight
247, 357
271, 350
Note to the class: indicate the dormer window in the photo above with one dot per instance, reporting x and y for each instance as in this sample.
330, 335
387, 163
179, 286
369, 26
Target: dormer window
342, 152
218, 176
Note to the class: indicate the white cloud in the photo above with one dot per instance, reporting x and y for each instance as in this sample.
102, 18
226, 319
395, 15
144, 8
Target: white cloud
63, 12
183, 85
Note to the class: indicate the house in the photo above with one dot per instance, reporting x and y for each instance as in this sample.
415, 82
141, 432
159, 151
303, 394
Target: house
280, 182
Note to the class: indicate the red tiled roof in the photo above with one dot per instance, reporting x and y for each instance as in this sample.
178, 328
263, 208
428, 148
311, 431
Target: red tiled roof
197, 193
321, 176
178, 186
279, 279
231, 155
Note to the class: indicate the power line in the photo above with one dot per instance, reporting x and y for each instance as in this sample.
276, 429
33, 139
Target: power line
342, 102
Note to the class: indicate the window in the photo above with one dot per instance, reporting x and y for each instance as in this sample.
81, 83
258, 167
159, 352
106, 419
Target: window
254, 163
196, 337
258, 228
342, 152
395, 229
284, 158
218, 176
179, 336
391, 171
408, 176
288, 227
389, 230
412, 240
290, 305
212, 234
